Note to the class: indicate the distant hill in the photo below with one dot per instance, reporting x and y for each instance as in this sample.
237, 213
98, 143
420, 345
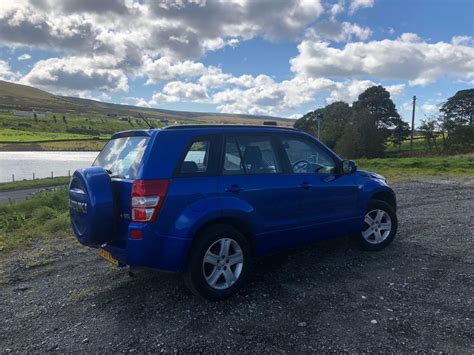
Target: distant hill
16, 96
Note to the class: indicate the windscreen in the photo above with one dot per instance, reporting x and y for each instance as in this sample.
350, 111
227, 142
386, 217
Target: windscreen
122, 156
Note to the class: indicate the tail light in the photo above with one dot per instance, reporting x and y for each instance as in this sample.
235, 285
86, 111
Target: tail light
147, 198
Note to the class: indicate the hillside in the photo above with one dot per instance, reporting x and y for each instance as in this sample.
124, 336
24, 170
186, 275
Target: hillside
15, 96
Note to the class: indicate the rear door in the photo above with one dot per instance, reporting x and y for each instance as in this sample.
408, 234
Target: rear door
194, 188
121, 158
328, 199
254, 183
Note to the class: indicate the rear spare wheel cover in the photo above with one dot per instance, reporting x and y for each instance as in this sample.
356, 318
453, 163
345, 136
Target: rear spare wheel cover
91, 206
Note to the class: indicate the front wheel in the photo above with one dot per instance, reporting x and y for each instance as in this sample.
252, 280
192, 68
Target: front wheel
219, 264
380, 226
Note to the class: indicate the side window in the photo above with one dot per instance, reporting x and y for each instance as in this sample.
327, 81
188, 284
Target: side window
306, 157
196, 160
250, 155
232, 159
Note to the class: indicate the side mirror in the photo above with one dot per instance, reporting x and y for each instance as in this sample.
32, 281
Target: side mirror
349, 166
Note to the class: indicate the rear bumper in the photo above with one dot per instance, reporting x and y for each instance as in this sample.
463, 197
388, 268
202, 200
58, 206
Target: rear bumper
166, 253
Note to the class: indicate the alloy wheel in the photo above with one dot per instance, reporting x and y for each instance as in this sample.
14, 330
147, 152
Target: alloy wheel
377, 226
222, 263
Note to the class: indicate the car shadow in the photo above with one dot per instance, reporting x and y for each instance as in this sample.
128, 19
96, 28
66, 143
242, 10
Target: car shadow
298, 268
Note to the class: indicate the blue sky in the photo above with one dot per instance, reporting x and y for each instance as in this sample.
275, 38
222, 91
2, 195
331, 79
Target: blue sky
281, 57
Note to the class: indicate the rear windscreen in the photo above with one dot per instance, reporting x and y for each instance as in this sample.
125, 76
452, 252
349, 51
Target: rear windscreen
122, 156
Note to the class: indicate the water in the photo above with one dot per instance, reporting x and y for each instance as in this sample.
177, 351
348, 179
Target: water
24, 164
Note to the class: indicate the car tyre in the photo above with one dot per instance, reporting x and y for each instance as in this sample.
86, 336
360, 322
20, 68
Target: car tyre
210, 267
379, 228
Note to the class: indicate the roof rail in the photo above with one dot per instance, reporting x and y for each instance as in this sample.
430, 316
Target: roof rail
192, 126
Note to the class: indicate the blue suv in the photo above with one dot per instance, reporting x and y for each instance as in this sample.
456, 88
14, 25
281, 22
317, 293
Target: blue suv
205, 199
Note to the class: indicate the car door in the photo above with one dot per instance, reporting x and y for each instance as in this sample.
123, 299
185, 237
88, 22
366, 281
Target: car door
327, 198
253, 181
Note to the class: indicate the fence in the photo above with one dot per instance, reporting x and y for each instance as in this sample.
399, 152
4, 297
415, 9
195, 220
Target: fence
34, 176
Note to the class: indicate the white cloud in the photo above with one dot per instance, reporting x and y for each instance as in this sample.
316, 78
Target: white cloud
75, 75
262, 95
336, 9
165, 68
359, 4
395, 90
430, 108
181, 29
462, 40
337, 31
23, 24
6, 72
218, 43
24, 57
410, 37
349, 91
214, 78
180, 91
406, 58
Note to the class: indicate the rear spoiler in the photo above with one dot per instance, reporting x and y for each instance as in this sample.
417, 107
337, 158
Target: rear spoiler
134, 133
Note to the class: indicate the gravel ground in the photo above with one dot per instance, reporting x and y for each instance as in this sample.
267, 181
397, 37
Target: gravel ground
416, 295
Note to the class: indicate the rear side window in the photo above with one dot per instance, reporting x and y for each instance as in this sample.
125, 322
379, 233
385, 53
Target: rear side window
250, 155
122, 156
196, 160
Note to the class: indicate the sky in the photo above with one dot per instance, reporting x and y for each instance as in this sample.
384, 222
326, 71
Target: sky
265, 57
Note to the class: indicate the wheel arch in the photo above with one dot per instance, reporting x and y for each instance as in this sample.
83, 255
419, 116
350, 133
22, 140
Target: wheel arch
387, 196
238, 223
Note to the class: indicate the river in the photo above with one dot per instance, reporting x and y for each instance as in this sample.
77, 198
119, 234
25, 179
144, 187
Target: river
42, 163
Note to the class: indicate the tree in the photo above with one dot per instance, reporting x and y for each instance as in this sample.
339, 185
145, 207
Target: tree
400, 133
377, 101
361, 138
460, 107
334, 118
64, 119
427, 129
308, 123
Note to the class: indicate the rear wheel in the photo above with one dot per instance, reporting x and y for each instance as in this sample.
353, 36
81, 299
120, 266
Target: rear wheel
219, 264
380, 226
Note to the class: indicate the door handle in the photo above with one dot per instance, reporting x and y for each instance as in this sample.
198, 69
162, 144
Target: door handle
234, 188
305, 185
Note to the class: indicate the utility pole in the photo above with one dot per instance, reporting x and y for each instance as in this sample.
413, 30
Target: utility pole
412, 124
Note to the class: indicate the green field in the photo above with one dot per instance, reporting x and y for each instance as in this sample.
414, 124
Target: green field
20, 129
76, 134
419, 145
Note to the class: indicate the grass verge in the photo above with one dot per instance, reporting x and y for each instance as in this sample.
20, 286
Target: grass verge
43, 216
31, 184
396, 169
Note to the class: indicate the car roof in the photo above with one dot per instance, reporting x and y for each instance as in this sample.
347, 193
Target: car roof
208, 129
222, 128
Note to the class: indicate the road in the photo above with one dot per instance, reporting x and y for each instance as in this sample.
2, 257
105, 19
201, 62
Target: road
414, 296
6, 196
